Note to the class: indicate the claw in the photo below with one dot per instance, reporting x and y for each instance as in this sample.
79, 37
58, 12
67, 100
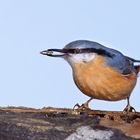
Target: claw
77, 106
82, 107
129, 108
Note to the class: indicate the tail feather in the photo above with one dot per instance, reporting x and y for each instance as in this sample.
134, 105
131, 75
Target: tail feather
137, 68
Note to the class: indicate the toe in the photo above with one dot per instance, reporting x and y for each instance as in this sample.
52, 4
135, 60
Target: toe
129, 109
77, 106
85, 105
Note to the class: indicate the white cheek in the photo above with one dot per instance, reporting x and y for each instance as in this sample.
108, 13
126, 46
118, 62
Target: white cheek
77, 57
89, 57
85, 57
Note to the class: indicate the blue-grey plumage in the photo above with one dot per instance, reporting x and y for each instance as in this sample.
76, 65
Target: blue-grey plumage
118, 61
98, 71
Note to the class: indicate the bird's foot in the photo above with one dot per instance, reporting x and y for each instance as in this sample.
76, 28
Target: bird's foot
129, 108
82, 107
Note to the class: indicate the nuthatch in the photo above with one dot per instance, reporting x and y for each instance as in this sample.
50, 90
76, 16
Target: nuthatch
99, 72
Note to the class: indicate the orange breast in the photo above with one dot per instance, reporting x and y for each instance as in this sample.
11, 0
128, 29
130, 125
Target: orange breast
97, 80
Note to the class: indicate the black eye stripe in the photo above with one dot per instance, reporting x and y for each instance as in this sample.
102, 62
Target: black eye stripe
88, 50
84, 50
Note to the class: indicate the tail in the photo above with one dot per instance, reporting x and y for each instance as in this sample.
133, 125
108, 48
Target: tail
137, 68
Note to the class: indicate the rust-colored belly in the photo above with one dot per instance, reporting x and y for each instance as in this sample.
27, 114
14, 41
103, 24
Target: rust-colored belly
97, 80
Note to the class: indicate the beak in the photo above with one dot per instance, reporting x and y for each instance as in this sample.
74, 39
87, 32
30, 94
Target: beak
54, 52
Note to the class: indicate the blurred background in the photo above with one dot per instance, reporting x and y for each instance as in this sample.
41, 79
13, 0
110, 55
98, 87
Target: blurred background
30, 26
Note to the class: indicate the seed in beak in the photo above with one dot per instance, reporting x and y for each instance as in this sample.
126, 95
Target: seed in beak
49, 53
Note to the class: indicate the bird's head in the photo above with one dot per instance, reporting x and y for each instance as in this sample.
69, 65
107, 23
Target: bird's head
84, 51
81, 51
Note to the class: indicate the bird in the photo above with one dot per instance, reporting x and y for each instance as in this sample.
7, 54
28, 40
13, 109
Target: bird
99, 72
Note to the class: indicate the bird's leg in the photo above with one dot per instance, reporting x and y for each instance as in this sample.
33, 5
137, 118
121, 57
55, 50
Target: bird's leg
129, 108
83, 106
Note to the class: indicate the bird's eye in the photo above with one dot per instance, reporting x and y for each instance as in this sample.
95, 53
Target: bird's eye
76, 51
